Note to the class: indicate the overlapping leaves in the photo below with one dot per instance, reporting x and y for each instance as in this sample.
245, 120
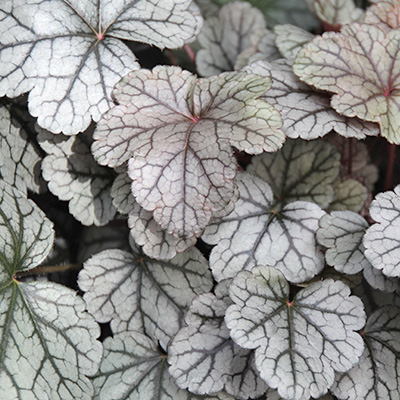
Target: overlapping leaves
301, 342
70, 54
177, 132
48, 342
360, 66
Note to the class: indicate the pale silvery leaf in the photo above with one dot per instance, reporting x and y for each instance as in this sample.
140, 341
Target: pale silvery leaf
177, 132
70, 54
360, 66
155, 242
298, 343
20, 157
385, 14
134, 367
338, 12
263, 49
73, 175
349, 195
382, 241
256, 231
204, 359
290, 39
300, 171
342, 233
378, 280
225, 36
48, 342
137, 293
306, 113
377, 375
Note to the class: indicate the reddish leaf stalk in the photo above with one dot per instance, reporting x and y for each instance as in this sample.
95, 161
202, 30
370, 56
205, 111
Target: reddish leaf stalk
390, 167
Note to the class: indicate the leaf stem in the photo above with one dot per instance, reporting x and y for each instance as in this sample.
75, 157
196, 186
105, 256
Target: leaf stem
47, 269
191, 54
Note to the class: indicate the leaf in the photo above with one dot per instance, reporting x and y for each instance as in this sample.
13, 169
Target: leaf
381, 240
305, 113
300, 343
377, 375
257, 232
70, 55
73, 175
179, 143
290, 39
263, 49
360, 66
156, 243
20, 156
204, 359
342, 233
136, 292
349, 195
385, 14
338, 12
300, 171
225, 36
46, 336
133, 368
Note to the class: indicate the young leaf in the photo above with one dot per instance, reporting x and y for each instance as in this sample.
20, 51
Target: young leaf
290, 39
70, 55
204, 359
338, 12
300, 343
377, 375
381, 241
19, 156
48, 342
306, 113
73, 175
177, 131
225, 36
134, 367
258, 231
137, 293
385, 14
300, 171
360, 66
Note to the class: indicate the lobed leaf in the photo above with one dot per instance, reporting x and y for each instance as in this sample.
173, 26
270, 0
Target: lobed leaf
377, 375
70, 55
306, 113
137, 293
385, 14
359, 65
298, 343
177, 133
74, 176
257, 231
349, 195
47, 340
381, 240
338, 12
225, 36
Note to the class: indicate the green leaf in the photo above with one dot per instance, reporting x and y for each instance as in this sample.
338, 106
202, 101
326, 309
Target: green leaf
349, 195
136, 292
298, 343
74, 176
70, 54
47, 340
259, 230
360, 66
177, 132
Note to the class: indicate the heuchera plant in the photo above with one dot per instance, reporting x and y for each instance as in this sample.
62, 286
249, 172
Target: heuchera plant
221, 180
